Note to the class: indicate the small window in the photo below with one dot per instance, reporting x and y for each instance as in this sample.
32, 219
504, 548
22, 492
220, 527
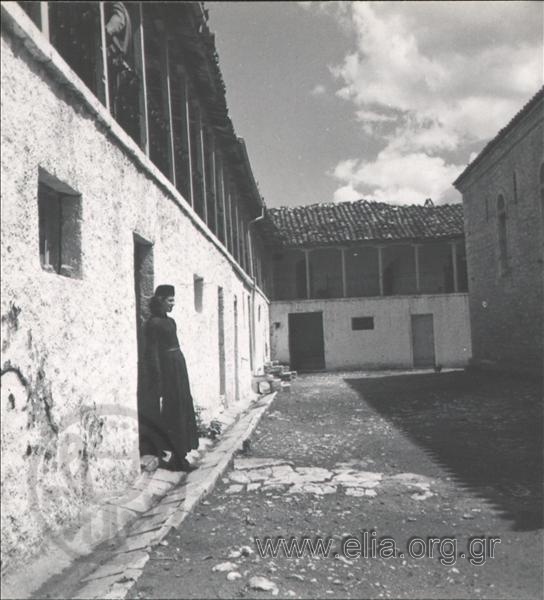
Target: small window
59, 213
198, 283
362, 323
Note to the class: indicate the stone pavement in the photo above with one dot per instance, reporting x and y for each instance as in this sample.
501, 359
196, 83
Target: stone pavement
452, 456
270, 474
106, 555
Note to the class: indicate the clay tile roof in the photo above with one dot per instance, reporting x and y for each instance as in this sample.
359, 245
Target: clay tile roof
362, 220
537, 99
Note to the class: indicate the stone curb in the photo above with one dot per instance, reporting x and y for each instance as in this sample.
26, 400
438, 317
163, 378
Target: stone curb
143, 516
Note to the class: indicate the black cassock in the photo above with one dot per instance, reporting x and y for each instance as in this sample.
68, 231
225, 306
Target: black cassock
172, 426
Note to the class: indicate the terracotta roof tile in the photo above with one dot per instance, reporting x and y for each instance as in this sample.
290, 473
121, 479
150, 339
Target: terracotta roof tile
362, 220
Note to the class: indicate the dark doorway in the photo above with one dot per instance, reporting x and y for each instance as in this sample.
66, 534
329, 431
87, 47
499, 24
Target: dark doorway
423, 340
143, 289
306, 345
250, 332
221, 342
236, 357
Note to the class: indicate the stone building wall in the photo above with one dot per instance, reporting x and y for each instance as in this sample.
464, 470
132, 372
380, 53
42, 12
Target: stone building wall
69, 344
389, 343
506, 305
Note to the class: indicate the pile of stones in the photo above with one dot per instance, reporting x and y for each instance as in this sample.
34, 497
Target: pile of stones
276, 377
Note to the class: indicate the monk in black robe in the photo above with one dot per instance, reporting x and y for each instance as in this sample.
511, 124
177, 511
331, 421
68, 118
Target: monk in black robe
170, 408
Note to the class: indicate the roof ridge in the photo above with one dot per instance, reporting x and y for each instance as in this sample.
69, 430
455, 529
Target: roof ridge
522, 112
358, 202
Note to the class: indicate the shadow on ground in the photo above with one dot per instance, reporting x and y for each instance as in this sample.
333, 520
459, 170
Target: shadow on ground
484, 429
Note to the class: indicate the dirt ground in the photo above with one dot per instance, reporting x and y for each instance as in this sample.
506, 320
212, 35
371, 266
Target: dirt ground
452, 456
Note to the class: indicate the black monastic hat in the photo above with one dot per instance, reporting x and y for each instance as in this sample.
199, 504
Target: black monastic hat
164, 291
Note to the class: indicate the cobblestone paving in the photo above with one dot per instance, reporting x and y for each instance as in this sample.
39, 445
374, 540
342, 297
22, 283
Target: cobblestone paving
451, 455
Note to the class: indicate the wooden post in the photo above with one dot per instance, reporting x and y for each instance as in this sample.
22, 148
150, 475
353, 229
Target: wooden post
102, 66
222, 200
228, 204
167, 102
455, 271
187, 130
139, 59
308, 282
344, 279
231, 224
242, 239
202, 155
237, 221
380, 268
416, 259
44, 19
214, 189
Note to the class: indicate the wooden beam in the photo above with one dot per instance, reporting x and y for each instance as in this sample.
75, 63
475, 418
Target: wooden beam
222, 199
214, 189
185, 109
167, 102
237, 222
245, 245
202, 154
380, 268
231, 229
308, 282
228, 223
139, 59
44, 19
344, 279
455, 269
102, 65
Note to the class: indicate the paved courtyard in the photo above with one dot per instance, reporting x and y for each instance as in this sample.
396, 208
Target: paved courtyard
355, 458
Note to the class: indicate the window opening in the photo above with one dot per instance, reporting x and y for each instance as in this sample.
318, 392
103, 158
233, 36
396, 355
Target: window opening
59, 214
362, 323
198, 292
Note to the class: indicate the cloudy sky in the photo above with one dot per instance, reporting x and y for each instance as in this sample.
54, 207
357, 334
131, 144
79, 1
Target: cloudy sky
380, 100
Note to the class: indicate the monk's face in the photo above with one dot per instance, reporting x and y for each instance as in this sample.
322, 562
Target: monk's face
168, 303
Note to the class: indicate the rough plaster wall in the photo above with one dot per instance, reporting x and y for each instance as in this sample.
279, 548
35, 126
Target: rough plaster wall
389, 344
262, 332
69, 426
506, 309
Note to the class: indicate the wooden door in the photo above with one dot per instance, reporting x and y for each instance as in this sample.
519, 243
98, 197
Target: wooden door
423, 340
306, 344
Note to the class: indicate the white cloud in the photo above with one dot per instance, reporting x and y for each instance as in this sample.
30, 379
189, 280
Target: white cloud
433, 77
344, 169
318, 90
346, 194
373, 117
397, 178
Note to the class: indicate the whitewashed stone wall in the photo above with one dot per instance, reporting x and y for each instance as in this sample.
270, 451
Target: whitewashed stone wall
69, 352
389, 344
